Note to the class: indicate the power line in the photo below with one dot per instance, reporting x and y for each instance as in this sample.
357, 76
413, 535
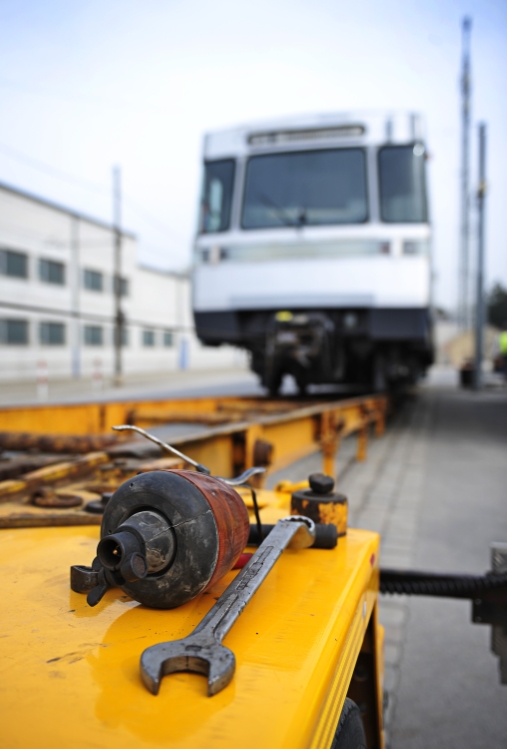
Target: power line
162, 227
96, 187
41, 166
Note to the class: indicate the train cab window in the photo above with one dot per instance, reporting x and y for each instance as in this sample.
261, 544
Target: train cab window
402, 184
216, 196
314, 188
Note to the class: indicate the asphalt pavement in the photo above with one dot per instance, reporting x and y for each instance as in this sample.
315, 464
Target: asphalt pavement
191, 383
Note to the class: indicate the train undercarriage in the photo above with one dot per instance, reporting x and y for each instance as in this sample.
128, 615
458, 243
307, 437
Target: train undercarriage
374, 349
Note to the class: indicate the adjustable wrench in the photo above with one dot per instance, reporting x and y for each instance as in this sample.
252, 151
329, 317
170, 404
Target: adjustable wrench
202, 651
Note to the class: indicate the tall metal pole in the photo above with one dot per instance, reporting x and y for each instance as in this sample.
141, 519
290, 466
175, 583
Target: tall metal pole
464, 287
481, 200
76, 283
118, 316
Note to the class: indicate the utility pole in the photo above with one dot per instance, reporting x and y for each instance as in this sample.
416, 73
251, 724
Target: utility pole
463, 283
118, 316
76, 283
481, 200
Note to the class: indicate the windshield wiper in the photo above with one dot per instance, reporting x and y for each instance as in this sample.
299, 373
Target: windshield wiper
266, 200
301, 220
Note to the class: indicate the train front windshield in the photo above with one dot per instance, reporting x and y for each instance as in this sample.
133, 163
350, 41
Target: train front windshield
322, 187
313, 187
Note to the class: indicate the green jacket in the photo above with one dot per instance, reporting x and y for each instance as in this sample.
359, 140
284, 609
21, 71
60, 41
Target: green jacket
502, 341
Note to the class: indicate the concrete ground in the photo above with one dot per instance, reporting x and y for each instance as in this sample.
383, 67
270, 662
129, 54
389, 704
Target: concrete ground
435, 487
444, 679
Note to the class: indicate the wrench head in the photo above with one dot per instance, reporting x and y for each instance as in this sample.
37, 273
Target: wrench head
196, 653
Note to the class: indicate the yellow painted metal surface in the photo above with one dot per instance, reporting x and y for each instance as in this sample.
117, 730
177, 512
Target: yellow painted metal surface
295, 429
70, 673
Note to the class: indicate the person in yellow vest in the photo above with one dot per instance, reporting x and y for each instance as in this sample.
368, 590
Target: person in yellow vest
502, 344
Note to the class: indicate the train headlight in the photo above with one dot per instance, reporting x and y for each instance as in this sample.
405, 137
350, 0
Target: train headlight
416, 247
213, 255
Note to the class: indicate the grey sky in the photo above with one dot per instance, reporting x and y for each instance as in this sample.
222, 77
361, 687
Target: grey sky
86, 85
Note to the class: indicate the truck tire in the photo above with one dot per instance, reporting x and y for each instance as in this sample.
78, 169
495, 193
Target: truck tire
350, 732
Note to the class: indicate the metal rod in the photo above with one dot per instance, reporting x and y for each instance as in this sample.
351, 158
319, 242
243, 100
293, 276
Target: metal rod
479, 316
463, 286
118, 329
163, 445
76, 284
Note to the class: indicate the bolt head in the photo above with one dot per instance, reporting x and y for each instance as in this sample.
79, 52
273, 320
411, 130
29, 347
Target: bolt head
321, 484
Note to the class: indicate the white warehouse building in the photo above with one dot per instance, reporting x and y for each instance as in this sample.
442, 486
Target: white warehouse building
57, 301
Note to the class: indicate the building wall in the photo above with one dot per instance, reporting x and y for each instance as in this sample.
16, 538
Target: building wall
159, 325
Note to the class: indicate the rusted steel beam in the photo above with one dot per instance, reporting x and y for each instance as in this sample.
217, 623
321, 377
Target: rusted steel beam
14, 515
56, 443
141, 416
50, 475
12, 467
259, 405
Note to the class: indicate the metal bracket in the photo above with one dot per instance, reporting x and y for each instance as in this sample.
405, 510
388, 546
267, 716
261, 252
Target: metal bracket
491, 608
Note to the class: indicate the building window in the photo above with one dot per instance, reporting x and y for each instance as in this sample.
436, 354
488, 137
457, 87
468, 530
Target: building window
93, 280
124, 336
13, 263
124, 286
52, 333
14, 332
168, 338
93, 335
148, 337
50, 271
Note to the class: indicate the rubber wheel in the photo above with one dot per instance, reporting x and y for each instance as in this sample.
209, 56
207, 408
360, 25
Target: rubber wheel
350, 732
273, 381
379, 379
302, 388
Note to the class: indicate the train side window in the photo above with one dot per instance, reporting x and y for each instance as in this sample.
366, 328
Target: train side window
216, 196
402, 184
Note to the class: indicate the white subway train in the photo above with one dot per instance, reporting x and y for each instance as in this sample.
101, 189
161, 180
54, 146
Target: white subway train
314, 248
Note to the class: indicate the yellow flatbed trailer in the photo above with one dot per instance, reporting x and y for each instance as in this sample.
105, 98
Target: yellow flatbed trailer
307, 643
308, 638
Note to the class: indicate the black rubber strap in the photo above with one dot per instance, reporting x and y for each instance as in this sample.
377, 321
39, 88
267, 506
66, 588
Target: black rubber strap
326, 536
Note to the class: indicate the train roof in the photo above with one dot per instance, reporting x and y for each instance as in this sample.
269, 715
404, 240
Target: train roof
315, 130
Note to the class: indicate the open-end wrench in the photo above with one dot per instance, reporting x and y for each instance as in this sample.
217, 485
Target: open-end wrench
202, 651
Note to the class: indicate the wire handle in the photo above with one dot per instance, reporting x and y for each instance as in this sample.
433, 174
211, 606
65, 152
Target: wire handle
168, 448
